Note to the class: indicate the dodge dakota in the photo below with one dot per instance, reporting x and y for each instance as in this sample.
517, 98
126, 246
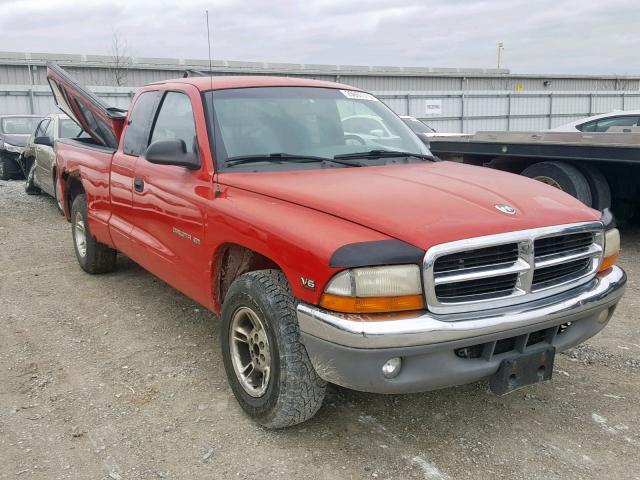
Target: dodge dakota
332, 253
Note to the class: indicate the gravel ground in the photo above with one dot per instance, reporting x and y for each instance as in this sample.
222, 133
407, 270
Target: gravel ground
119, 376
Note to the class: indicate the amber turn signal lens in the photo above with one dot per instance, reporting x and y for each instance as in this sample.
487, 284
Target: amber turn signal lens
339, 303
608, 262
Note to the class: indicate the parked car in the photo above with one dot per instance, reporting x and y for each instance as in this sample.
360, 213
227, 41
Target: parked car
376, 269
421, 129
38, 161
618, 121
369, 129
14, 133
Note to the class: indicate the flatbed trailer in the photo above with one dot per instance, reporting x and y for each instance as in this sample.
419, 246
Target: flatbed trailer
600, 169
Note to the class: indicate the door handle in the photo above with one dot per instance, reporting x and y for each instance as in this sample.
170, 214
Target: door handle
138, 184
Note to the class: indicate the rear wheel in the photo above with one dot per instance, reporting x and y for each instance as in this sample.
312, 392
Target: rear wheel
93, 256
29, 184
266, 362
563, 176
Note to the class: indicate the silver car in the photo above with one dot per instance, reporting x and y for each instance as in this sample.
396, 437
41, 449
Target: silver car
39, 157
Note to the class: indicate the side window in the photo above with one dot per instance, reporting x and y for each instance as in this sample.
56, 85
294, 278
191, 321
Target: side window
175, 120
605, 124
41, 128
137, 133
48, 132
588, 127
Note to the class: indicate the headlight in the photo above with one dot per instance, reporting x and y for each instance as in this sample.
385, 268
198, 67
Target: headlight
611, 248
374, 290
13, 148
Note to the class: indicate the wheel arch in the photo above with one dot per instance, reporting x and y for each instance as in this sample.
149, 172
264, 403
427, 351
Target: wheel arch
230, 260
72, 186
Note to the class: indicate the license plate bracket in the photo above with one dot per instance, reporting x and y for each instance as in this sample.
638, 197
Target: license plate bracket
522, 370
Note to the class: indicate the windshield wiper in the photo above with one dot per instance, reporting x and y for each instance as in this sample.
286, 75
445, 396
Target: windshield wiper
384, 154
285, 157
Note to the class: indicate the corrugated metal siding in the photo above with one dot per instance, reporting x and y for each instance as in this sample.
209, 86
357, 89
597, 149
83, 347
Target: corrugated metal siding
461, 111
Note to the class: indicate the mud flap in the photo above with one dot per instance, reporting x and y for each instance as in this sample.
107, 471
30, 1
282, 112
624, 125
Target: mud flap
523, 370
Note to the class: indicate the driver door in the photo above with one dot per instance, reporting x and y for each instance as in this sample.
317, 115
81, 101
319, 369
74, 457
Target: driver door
168, 206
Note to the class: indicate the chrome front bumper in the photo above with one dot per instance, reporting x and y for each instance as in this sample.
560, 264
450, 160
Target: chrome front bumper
350, 350
407, 330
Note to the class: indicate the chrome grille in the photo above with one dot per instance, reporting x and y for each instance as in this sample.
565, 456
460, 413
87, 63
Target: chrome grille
480, 257
505, 269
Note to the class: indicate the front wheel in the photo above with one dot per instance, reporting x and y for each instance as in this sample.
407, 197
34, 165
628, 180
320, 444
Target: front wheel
5, 173
30, 185
266, 362
93, 256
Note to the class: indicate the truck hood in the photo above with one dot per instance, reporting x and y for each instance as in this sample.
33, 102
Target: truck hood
15, 139
422, 204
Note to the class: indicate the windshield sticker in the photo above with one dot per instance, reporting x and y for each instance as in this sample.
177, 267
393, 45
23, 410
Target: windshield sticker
355, 95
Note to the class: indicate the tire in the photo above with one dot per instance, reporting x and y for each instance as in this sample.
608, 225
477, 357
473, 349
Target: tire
58, 200
293, 391
29, 184
5, 172
599, 186
561, 175
93, 257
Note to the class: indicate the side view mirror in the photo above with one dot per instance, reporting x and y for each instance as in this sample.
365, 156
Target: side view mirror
43, 141
172, 152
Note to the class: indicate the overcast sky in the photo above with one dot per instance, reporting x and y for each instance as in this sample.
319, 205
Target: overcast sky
539, 36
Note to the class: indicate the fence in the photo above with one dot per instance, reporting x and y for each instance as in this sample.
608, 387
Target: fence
453, 111
469, 112
38, 100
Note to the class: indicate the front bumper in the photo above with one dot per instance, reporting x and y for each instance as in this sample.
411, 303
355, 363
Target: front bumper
350, 350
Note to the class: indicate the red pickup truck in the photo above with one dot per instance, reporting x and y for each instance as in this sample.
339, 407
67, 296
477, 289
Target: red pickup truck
332, 249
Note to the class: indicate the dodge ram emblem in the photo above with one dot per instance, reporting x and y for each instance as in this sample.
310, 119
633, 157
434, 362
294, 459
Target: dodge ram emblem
508, 209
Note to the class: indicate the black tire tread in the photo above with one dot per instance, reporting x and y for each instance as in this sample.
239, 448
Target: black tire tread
568, 176
600, 189
301, 390
99, 258
29, 184
6, 175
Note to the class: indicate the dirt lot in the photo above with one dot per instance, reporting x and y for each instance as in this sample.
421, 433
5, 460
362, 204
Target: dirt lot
120, 377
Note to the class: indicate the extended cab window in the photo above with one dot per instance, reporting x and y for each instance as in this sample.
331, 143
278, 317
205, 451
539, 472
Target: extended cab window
175, 120
137, 133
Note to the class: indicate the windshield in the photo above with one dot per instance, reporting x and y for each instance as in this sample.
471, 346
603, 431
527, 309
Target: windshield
69, 128
417, 126
304, 121
19, 125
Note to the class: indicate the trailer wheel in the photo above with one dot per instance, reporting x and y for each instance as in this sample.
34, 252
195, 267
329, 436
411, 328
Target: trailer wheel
561, 175
600, 190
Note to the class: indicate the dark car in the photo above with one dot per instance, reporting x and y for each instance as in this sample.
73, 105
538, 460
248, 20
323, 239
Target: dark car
14, 134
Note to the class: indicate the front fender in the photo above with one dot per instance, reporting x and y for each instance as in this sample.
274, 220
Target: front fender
300, 240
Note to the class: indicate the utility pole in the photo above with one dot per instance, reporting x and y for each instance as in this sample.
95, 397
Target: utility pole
500, 49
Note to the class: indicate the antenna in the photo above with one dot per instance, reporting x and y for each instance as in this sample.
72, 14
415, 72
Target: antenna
209, 45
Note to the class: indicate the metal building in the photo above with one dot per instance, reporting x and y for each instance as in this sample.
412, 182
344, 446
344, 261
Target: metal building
450, 99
